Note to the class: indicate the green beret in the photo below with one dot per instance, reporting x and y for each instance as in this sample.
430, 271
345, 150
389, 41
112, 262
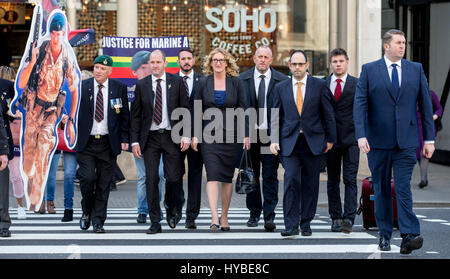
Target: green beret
105, 60
139, 58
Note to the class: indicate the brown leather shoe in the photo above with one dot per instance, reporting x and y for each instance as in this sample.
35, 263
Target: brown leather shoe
51, 207
41, 209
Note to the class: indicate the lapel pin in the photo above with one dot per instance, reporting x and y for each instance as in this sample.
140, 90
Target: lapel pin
170, 85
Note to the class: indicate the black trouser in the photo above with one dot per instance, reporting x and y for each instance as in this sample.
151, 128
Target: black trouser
269, 163
195, 169
160, 142
96, 168
349, 158
5, 220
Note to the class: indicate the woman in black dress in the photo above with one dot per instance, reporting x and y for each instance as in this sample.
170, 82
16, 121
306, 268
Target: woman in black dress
221, 92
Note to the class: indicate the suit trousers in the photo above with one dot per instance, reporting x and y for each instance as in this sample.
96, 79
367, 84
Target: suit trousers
269, 164
348, 158
301, 185
5, 220
96, 169
195, 171
160, 142
401, 161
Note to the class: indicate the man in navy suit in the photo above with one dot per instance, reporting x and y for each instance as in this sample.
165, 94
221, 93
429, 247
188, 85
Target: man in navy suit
259, 83
345, 152
104, 133
191, 80
388, 94
305, 116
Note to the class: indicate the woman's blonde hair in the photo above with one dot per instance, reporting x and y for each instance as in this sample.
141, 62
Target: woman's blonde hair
232, 68
7, 73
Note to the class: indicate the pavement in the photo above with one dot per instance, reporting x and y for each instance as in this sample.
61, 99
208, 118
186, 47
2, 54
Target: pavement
436, 194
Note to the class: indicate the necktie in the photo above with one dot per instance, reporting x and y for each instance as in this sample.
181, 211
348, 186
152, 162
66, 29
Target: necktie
261, 91
299, 101
186, 85
99, 104
157, 112
338, 90
395, 82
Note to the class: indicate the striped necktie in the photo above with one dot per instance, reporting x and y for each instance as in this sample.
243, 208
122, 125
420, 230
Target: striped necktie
157, 112
99, 104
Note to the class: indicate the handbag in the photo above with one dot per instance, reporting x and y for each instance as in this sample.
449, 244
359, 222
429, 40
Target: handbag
61, 143
245, 182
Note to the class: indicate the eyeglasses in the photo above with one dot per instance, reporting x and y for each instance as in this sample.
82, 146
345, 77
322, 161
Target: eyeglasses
219, 60
298, 64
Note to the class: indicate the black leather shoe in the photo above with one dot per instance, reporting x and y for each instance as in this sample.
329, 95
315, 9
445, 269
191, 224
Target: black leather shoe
85, 221
5, 233
384, 244
306, 231
269, 225
336, 225
252, 222
142, 218
68, 215
98, 228
154, 228
347, 226
113, 187
177, 217
423, 184
410, 243
190, 225
290, 232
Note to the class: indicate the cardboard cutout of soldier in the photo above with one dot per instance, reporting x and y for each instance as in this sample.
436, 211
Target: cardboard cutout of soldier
47, 87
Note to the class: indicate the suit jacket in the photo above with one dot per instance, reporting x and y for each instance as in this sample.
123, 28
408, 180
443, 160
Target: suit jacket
6, 140
118, 123
196, 83
142, 107
247, 78
392, 121
343, 110
235, 98
317, 120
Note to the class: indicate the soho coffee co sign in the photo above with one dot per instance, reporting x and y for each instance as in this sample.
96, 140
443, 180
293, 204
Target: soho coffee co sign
220, 20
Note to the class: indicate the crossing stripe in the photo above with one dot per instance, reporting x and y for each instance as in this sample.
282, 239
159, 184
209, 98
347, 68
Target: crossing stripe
195, 249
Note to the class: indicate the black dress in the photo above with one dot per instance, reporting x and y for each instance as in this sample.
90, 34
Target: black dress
220, 152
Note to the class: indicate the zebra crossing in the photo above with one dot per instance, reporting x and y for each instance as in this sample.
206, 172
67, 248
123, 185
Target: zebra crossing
46, 236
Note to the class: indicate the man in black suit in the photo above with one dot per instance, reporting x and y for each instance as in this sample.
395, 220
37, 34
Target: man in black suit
6, 153
191, 80
103, 135
307, 129
259, 82
155, 99
345, 152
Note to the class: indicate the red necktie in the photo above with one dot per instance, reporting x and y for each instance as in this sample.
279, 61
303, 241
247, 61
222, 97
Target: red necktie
338, 90
157, 113
99, 104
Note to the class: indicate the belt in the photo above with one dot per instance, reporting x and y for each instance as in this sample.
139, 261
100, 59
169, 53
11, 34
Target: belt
160, 131
98, 136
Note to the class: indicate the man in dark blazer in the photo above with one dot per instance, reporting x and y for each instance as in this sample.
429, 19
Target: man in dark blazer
103, 134
155, 99
191, 81
259, 83
302, 129
345, 152
6, 153
388, 94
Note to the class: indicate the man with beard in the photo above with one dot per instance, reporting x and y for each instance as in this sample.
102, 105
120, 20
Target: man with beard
191, 80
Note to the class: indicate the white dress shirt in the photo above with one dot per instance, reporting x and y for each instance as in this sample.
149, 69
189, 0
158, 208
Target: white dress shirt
101, 128
257, 80
399, 69
165, 124
294, 87
333, 83
189, 80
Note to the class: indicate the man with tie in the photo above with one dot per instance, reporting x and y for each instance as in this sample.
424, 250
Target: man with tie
259, 83
104, 133
302, 129
345, 152
388, 94
191, 80
155, 98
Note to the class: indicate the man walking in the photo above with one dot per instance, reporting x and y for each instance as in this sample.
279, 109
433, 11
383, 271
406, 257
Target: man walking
388, 94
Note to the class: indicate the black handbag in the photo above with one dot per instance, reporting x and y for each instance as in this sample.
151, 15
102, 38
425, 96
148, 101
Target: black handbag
245, 182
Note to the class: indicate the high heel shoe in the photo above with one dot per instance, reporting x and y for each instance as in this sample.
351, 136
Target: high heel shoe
214, 227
